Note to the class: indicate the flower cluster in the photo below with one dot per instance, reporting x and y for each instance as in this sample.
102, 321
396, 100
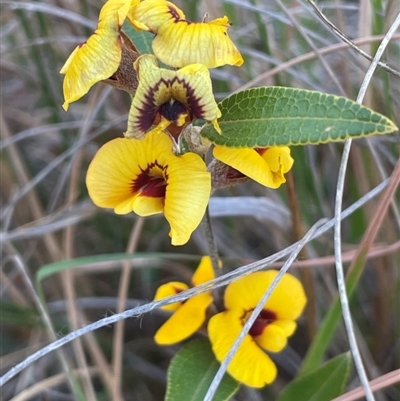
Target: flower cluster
270, 331
150, 170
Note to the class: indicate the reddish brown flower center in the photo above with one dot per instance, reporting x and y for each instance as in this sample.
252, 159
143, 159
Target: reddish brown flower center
149, 183
263, 320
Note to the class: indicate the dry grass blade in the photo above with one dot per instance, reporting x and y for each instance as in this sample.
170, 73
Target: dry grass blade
118, 342
386, 380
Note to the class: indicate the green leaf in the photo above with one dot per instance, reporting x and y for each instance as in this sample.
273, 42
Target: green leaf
324, 383
191, 372
278, 116
141, 39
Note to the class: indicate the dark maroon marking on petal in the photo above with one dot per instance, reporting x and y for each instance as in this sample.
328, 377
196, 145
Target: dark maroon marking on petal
263, 320
147, 113
175, 15
148, 185
193, 101
148, 109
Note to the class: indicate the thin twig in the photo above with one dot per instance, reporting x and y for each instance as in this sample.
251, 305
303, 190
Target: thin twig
213, 252
346, 39
211, 244
337, 229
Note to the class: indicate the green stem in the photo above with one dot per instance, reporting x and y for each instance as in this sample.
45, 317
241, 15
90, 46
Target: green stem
213, 252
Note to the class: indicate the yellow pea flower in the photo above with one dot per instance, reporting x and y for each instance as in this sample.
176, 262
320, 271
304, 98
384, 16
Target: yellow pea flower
175, 96
276, 322
267, 166
147, 177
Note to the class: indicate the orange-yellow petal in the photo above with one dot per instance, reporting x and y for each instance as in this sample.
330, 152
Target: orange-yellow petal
267, 169
250, 365
278, 158
187, 319
169, 289
273, 338
187, 195
287, 300
147, 206
173, 94
288, 326
112, 173
204, 271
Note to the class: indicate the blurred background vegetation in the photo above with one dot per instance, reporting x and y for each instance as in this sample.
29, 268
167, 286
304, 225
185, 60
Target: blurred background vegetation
47, 217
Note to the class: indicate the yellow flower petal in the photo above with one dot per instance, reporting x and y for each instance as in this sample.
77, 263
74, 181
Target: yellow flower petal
187, 319
125, 170
179, 42
288, 326
204, 271
111, 172
292, 292
286, 302
267, 169
147, 205
187, 195
169, 289
278, 158
112, 8
173, 94
89, 63
150, 14
99, 57
250, 365
273, 338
